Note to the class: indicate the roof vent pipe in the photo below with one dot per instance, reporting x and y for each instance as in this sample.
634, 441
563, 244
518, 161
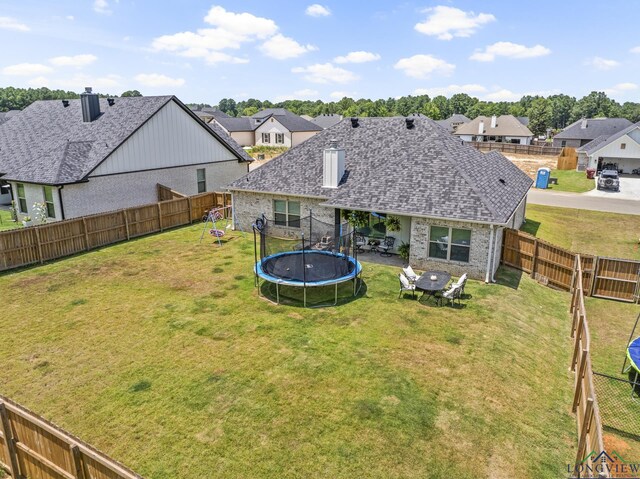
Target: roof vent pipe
111, 101
494, 121
583, 124
65, 103
90, 105
409, 122
354, 122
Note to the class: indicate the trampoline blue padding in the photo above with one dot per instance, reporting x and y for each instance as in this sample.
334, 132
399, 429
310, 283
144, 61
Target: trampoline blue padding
633, 353
308, 268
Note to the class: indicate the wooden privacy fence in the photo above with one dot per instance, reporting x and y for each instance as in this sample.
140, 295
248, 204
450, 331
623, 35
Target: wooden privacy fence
37, 244
515, 148
32, 447
165, 193
602, 277
585, 402
568, 159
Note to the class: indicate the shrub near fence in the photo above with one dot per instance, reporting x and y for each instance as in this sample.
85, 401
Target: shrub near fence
32, 447
37, 244
608, 278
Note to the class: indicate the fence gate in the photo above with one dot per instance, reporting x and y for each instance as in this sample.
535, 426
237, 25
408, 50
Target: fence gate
616, 279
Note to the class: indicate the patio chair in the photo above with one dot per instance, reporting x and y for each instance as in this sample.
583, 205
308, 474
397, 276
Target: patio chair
450, 295
411, 275
361, 242
406, 286
386, 245
462, 281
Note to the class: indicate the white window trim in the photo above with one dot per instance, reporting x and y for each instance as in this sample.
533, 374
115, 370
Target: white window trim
47, 203
24, 198
204, 180
449, 243
287, 213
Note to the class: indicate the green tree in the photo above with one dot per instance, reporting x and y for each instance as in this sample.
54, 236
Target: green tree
595, 104
539, 114
561, 107
131, 93
631, 111
228, 105
249, 111
462, 103
442, 104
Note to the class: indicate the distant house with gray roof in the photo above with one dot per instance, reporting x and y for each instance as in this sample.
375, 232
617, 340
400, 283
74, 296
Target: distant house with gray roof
327, 120
269, 127
92, 155
583, 131
453, 201
453, 122
621, 148
503, 128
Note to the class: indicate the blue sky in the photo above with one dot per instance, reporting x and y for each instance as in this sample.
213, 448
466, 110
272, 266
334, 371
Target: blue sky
205, 51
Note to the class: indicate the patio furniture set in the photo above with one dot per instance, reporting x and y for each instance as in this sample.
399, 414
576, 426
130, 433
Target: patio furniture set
433, 284
366, 245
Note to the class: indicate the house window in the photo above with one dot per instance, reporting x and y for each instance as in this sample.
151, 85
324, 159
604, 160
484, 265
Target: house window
563, 143
280, 138
48, 201
286, 213
451, 244
623, 146
202, 180
266, 138
22, 199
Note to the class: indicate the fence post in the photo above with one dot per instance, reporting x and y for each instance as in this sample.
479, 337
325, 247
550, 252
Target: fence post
535, 258
126, 223
579, 379
576, 347
76, 460
10, 446
86, 233
594, 275
190, 212
586, 426
160, 217
37, 230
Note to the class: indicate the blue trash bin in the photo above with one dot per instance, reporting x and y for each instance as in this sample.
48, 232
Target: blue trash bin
542, 178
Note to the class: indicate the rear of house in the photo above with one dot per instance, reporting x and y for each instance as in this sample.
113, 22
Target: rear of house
87, 156
585, 130
621, 149
452, 201
502, 129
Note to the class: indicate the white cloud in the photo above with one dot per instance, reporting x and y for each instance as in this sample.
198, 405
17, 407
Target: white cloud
230, 31
447, 22
25, 69
281, 47
621, 88
325, 73
357, 57
158, 80
39, 82
635, 49
317, 10
503, 94
339, 95
73, 61
10, 23
102, 7
603, 64
508, 50
303, 94
469, 89
71, 18
422, 66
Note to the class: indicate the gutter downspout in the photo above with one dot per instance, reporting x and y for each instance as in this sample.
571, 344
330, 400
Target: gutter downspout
495, 255
60, 200
488, 275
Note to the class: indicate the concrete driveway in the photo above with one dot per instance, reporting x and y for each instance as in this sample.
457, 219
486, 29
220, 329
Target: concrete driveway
583, 201
629, 189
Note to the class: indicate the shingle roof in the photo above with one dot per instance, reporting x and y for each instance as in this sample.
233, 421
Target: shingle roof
455, 118
289, 120
595, 127
327, 120
50, 144
506, 125
392, 169
595, 145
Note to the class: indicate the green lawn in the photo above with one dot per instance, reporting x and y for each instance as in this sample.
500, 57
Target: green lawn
5, 221
582, 230
572, 181
159, 352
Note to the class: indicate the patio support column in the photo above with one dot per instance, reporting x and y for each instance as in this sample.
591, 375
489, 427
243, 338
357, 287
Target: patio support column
487, 276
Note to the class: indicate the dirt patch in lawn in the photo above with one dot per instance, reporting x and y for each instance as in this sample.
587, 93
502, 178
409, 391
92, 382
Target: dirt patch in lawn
530, 163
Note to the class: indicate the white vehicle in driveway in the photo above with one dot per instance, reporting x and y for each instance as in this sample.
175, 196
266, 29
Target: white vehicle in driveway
609, 180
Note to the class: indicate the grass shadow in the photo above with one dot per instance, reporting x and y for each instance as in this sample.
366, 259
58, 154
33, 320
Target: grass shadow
530, 226
509, 277
316, 297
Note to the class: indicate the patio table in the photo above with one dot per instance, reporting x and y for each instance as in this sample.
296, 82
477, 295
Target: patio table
430, 286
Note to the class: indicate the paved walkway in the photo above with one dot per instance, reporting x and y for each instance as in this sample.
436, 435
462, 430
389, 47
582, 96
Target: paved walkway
583, 201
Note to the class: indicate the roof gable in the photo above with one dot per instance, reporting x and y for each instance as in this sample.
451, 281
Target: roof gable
591, 128
506, 125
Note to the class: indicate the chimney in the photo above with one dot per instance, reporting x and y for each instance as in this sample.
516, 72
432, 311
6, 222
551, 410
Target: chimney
481, 128
494, 121
90, 105
583, 124
332, 165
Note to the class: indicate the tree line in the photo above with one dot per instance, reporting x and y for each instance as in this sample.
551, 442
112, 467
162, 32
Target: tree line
553, 112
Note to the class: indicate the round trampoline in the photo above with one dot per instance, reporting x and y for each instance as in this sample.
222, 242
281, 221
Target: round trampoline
633, 354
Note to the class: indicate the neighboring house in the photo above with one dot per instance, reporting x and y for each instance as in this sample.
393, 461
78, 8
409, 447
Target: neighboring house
503, 128
523, 119
583, 131
453, 122
206, 114
270, 127
453, 201
622, 148
327, 120
94, 155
